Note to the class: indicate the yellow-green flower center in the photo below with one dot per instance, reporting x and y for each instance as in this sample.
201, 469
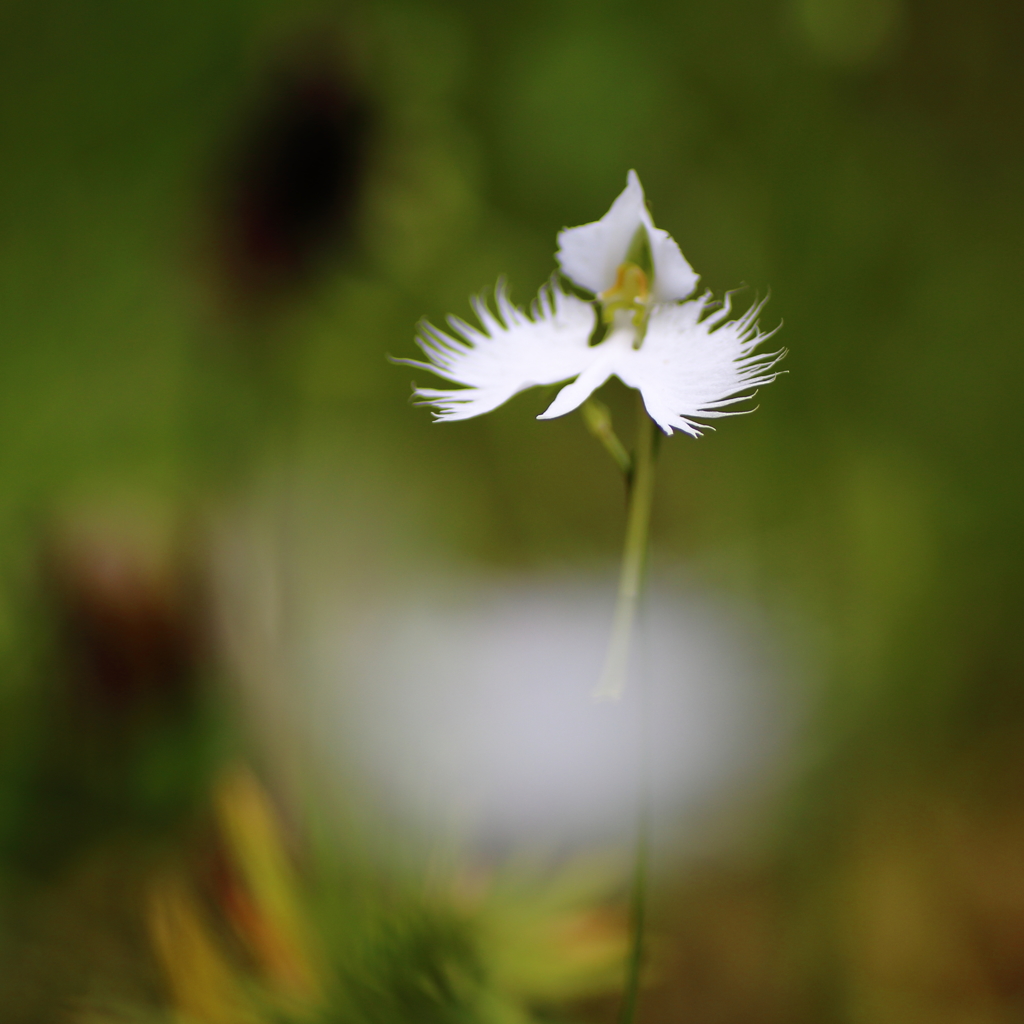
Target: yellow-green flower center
630, 292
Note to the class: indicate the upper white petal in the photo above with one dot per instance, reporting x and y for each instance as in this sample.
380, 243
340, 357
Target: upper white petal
591, 254
513, 350
674, 278
689, 368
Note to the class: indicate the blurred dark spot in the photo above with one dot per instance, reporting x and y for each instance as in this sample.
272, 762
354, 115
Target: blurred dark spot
126, 636
293, 185
127, 741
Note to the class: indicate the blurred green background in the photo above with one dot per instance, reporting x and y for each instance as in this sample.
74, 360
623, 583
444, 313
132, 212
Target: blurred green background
860, 158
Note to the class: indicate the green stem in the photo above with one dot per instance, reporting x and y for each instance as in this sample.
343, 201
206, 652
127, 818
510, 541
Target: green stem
634, 556
599, 422
637, 913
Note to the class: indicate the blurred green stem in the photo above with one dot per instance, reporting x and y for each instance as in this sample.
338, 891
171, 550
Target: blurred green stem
637, 914
634, 556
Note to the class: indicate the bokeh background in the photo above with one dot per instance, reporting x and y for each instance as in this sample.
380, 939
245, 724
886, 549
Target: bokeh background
262, 623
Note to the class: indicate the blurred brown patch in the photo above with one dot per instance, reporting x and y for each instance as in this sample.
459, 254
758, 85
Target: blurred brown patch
129, 632
910, 908
291, 189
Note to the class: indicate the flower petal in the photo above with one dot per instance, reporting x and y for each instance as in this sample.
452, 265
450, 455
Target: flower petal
674, 278
691, 365
591, 253
513, 351
573, 395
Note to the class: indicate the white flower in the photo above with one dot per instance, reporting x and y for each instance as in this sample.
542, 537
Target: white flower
686, 358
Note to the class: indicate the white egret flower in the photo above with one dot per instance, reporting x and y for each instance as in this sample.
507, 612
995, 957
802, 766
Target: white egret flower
686, 358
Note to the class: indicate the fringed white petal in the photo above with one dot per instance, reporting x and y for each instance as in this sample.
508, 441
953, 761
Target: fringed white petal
511, 351
690, 367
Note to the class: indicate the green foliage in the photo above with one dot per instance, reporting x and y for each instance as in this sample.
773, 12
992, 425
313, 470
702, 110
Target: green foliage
414, 965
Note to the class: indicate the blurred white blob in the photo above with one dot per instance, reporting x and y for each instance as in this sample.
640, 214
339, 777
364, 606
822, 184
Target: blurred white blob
471, 708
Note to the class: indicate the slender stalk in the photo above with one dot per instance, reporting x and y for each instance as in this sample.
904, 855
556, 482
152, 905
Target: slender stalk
616, 667
637, 914
641, 494
599, 422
